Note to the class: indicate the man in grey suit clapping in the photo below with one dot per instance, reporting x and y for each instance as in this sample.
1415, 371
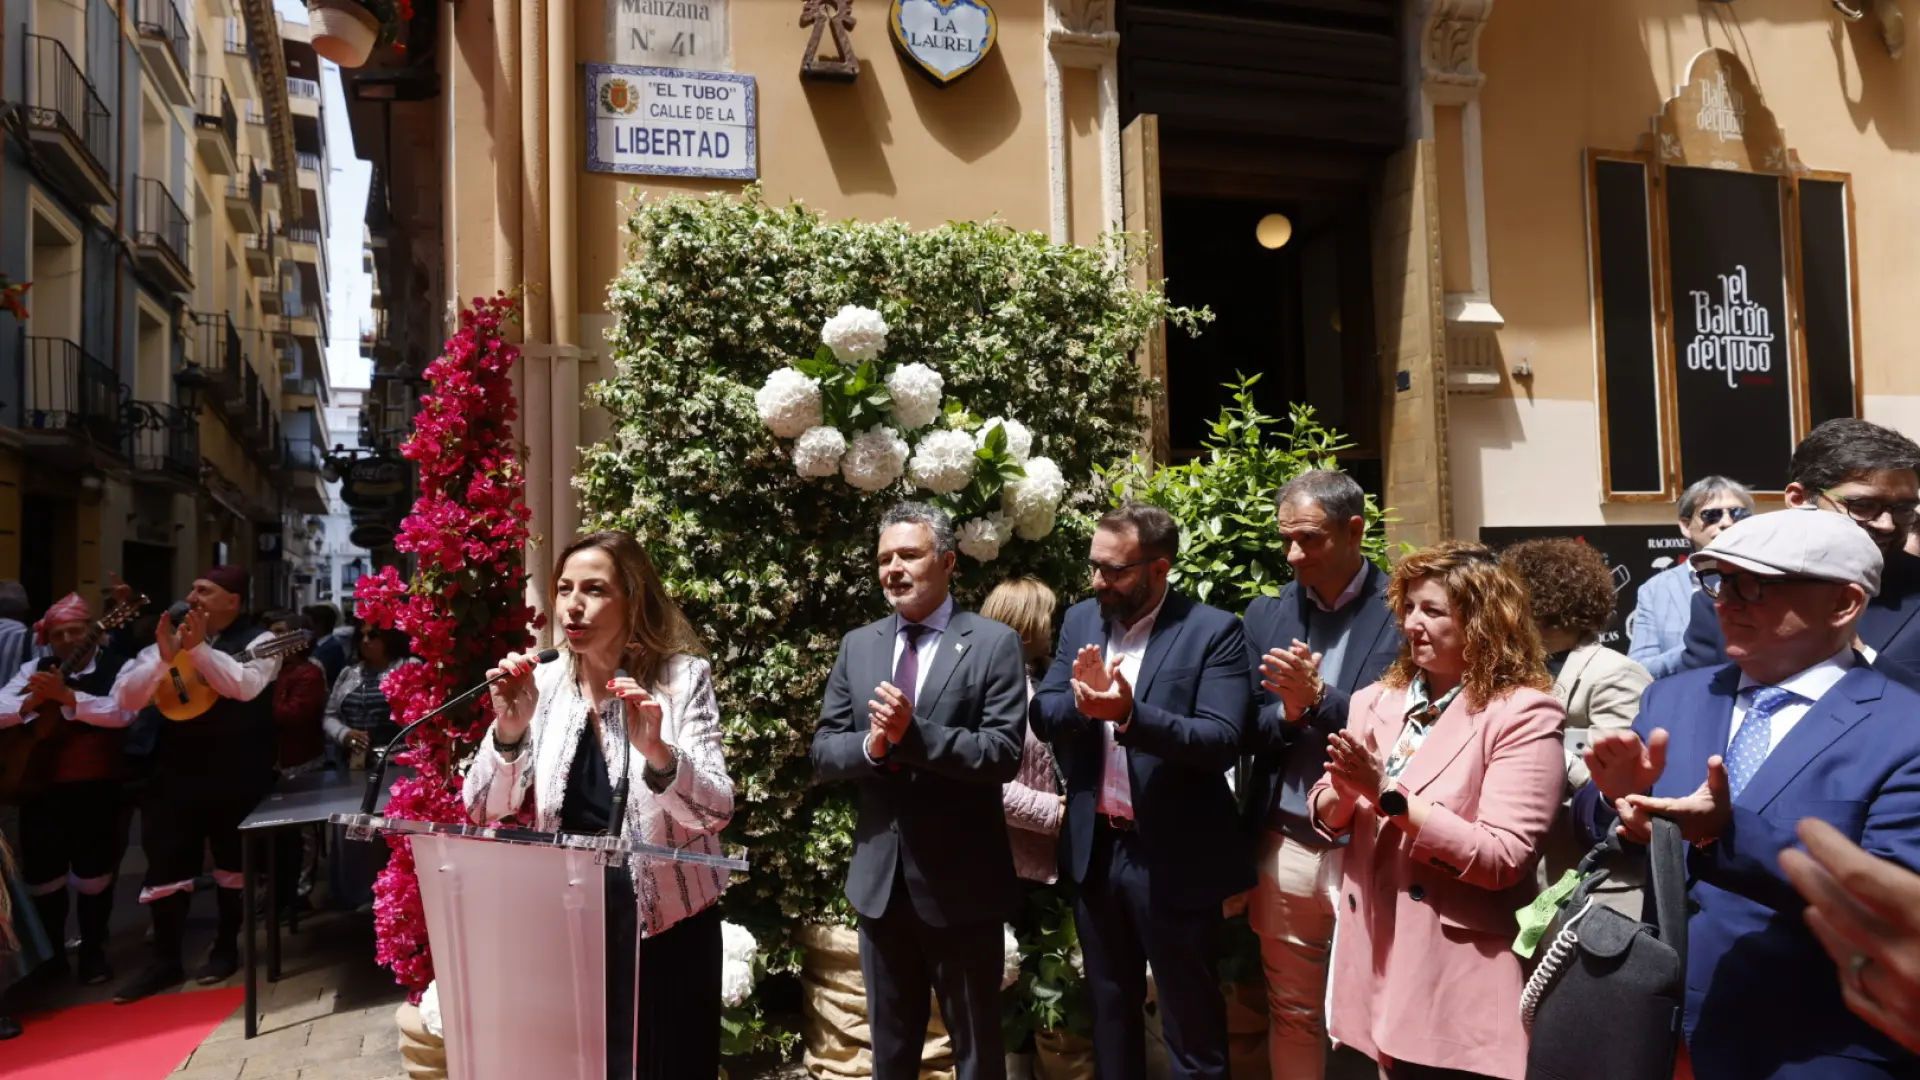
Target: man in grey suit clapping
926, 712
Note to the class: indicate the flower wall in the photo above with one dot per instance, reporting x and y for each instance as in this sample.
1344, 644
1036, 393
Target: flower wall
756, 468
463, 607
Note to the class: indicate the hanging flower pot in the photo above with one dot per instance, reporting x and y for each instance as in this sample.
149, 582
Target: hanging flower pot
344, 31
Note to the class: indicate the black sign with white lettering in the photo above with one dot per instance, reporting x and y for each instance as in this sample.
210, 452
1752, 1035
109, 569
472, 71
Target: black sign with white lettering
1732, 378
1635, 552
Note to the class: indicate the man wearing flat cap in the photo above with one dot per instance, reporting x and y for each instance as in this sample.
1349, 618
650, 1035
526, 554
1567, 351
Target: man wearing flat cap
1796, 726
210, 772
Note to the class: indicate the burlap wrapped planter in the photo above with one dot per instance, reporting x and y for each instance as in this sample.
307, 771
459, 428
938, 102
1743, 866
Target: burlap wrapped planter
833, 999
422, 1052
1061, 1055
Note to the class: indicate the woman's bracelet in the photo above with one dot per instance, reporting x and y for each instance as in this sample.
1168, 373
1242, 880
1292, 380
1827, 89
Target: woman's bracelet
511, 749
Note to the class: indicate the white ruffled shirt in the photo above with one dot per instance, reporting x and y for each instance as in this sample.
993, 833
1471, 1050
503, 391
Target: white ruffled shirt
687, 814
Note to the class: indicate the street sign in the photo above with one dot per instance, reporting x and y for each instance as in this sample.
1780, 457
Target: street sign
662, 122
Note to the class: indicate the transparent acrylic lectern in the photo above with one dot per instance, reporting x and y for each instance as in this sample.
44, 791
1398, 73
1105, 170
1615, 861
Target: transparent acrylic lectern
518, 924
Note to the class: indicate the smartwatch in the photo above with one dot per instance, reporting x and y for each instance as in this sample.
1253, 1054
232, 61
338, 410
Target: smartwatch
1392, 802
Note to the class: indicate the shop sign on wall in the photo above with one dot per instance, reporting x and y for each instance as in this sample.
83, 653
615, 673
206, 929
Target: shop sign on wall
946, 38
661, 122
684, 34
1733, 387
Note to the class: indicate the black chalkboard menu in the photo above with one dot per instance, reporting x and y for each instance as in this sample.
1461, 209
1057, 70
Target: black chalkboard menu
1826, 267
1628, 335
1733, 380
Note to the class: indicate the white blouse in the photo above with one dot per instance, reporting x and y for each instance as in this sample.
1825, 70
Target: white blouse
687, 814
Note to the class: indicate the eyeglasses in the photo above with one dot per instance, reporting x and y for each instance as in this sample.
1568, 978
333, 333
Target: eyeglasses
1747, 588
1868, 511
1110, 571
1713, 514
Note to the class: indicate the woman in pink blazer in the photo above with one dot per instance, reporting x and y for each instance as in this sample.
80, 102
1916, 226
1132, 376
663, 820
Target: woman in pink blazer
1447, 778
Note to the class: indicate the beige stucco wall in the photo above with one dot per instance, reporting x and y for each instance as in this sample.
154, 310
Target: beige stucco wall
891, 144
1562, 78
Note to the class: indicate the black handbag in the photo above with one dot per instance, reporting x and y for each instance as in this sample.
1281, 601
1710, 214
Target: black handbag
1605, 1001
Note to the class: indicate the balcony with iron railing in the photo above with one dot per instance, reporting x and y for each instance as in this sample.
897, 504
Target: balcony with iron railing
164, 44
246, 194
307, 162
239, 38
160, 235
303, 456
70, 129
305, 89
67, 397
163, 441
216, 125
214, 349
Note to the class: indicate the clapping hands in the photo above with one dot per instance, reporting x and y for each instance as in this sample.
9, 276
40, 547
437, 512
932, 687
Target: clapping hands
1100, 688
888, 716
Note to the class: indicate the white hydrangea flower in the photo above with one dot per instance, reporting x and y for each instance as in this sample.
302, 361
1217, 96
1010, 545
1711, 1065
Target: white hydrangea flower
982, 538
875, 458
737, 943
1019, 439
736, 983
789, 403
855, 334
430, 1009
1010, 970
1035, 526
943, 463
1041, 491
916, 390
1078, 961
817, 451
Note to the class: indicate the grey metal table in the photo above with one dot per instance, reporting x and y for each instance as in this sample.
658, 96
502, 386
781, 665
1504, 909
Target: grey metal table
309, 799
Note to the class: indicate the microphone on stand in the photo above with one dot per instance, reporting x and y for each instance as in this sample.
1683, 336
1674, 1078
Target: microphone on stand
377, 769
617, 819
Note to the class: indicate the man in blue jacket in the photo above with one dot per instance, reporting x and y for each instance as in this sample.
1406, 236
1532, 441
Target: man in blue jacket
1797, 726
1867, 473
1326, 635
1145, 705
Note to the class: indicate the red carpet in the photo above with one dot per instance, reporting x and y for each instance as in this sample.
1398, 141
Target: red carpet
143, 1041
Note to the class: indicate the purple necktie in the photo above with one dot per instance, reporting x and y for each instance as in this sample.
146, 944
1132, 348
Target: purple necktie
906, 671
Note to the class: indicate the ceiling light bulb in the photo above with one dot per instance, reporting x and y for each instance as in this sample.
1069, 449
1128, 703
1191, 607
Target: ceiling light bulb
1274, 231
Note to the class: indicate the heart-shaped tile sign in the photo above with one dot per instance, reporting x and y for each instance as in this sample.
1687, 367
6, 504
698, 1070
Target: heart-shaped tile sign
946, 38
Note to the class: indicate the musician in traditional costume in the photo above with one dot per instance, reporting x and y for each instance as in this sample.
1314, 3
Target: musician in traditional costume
72, 800
211, 771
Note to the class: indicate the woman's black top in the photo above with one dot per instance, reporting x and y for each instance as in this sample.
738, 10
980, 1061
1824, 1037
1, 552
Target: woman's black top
589, 801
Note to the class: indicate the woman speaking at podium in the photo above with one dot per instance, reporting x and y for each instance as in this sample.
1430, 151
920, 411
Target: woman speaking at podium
630, 692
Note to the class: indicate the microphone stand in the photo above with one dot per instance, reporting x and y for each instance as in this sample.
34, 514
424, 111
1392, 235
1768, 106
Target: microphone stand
617, 819
377, 769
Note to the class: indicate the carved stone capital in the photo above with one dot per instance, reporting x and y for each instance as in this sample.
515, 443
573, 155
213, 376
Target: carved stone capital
1450, 49
1081, 16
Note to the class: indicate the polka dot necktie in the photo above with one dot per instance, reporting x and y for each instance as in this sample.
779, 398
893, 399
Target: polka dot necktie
1755, 737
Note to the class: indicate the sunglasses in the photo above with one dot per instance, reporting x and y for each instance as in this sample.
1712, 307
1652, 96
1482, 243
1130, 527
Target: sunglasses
1713, 514
1747, 588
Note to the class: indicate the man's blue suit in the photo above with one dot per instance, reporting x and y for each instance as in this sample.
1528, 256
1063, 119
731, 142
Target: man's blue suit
1887, 626
1154, 893
1763, 998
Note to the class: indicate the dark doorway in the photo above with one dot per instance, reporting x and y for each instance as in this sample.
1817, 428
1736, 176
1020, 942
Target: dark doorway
44, 523
149, 569
1299, 315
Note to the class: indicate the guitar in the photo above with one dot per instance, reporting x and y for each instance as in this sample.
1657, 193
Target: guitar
26, 750
184, 693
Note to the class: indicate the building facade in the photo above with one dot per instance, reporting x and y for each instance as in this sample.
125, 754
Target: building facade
160, 396
1543, 264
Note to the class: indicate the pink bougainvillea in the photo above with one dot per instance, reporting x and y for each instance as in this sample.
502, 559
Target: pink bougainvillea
465, 605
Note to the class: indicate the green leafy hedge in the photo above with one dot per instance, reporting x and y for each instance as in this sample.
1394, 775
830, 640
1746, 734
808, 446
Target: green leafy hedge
773, 568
